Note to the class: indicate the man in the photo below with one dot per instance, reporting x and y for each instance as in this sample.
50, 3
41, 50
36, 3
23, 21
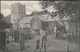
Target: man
57, 34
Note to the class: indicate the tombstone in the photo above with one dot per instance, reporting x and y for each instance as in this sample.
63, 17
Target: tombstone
7, 41
37, 44
68, 50
16, 36
22, 46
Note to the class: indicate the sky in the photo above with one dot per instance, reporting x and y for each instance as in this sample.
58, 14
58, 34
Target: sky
31, 6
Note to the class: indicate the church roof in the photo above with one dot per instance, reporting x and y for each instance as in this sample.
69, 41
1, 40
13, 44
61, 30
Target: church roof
29, 18
43, 17
26, 19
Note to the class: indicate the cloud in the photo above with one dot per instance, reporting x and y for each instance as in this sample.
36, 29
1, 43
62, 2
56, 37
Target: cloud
28, 13
5, 12
51, 9
31, 6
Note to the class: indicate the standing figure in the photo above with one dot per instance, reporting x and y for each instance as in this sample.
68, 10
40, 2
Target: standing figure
22, 44
57, 34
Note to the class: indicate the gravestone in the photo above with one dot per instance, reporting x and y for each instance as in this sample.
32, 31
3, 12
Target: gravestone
37, 44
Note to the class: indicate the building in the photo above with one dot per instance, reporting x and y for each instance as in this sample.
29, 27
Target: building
18, 11
25, 24
35, 22
39, 22
63, 26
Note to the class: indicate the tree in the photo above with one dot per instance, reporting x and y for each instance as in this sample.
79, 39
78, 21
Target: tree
65, 8
3, 24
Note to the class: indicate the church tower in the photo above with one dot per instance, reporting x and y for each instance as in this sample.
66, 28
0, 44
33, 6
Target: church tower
18, 11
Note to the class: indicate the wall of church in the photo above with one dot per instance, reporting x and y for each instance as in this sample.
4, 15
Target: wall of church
18, 11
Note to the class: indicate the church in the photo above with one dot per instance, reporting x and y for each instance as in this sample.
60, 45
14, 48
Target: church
39, 21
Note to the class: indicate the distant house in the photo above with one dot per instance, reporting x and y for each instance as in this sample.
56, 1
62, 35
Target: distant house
64, 26
70, 27
55, 24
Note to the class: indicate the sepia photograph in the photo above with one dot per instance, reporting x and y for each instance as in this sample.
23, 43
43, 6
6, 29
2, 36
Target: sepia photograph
40, 26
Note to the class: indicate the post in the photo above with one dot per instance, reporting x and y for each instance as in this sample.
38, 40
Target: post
45, 44
45, 41
51, 30
42, 43
20, 38
68, 50
79, 23
22, 45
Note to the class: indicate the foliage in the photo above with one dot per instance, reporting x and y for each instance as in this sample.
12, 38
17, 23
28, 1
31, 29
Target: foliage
3, 23
65, 8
